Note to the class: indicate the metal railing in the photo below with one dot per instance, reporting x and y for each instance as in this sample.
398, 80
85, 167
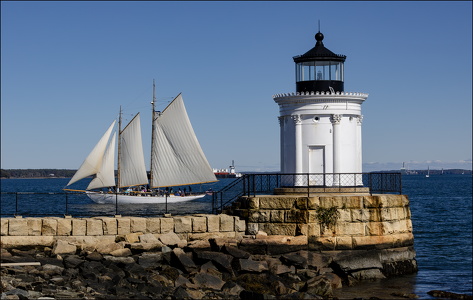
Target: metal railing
307, 184
79, 205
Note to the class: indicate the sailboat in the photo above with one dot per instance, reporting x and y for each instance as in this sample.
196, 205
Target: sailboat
428, 172
177, 159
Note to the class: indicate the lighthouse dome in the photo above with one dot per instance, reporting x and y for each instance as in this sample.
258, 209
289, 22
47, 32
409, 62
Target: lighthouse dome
319, 69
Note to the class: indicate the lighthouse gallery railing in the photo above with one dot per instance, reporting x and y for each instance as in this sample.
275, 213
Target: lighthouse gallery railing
307, 184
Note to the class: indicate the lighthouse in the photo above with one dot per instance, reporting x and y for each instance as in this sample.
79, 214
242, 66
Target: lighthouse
320, 124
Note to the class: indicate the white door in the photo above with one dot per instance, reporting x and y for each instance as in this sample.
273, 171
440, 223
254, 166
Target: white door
316, 165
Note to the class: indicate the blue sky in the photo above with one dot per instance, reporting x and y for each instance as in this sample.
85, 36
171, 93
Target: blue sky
66, 67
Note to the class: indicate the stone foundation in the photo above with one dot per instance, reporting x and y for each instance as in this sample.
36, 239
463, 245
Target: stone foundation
364, 222
372, 229
371, 238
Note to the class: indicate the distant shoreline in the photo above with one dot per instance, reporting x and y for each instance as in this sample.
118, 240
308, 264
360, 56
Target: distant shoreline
67, 173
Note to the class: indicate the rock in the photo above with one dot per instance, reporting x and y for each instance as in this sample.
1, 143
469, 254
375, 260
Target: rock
94, 256
63, 247
57, 280
410, 295
148, 238
358, 261
279, 287
150, 260
254, 283
170, 272
107, 248
120, 260
235, 252
221, 260
182, 261
208, 281
121, 252
294, 259
231, 288
335, 281
282, 269
207, 266
133, 237
169, 239
22, 294
185, 293
319, 285
199, 245
249, 265
449, 295
72, 261
369, 274
143, 247
52, 269
182, 281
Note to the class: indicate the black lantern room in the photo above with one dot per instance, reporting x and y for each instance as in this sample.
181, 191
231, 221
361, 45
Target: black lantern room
319, 69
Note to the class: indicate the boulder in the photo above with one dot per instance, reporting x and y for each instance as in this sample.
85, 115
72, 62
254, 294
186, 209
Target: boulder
208, 281
72, 261
121, 252
182, 261
249, 265
94, 256
294, 259
221, 260
63, 247
133, 237
150, 260
149, 238
107, 248
185, 293
231, 288
319, 285
169, 239
235, 252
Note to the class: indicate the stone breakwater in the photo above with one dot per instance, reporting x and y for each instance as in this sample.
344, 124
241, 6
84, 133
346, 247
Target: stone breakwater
151, 266
280, 245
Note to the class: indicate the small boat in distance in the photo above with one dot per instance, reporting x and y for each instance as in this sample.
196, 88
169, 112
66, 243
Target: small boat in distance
428, 172
225, 173
177, 159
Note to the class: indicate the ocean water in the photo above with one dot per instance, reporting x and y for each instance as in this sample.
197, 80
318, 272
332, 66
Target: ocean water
441, 208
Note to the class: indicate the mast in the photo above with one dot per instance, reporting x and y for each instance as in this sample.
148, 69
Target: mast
152, 135
119, 148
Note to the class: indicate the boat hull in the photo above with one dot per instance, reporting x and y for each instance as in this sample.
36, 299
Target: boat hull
104, 198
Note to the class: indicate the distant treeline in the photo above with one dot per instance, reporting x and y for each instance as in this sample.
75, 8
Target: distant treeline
51, 173
36, 173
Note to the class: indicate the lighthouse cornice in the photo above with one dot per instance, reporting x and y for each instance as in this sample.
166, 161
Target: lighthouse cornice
314, 98
323, 95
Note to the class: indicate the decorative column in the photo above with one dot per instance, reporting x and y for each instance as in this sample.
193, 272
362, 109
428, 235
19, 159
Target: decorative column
298, 135
359, 168
282, 142
337, 143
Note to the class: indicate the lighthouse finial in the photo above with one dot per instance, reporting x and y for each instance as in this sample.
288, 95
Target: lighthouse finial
319, 25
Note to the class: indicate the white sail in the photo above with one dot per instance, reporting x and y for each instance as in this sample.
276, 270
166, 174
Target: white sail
105, 177
178, 158
132, 162
93, 162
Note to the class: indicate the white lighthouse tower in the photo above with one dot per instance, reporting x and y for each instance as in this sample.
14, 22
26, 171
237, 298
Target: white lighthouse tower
321, 123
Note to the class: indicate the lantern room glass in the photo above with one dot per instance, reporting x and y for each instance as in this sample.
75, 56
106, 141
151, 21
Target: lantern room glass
319, 70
